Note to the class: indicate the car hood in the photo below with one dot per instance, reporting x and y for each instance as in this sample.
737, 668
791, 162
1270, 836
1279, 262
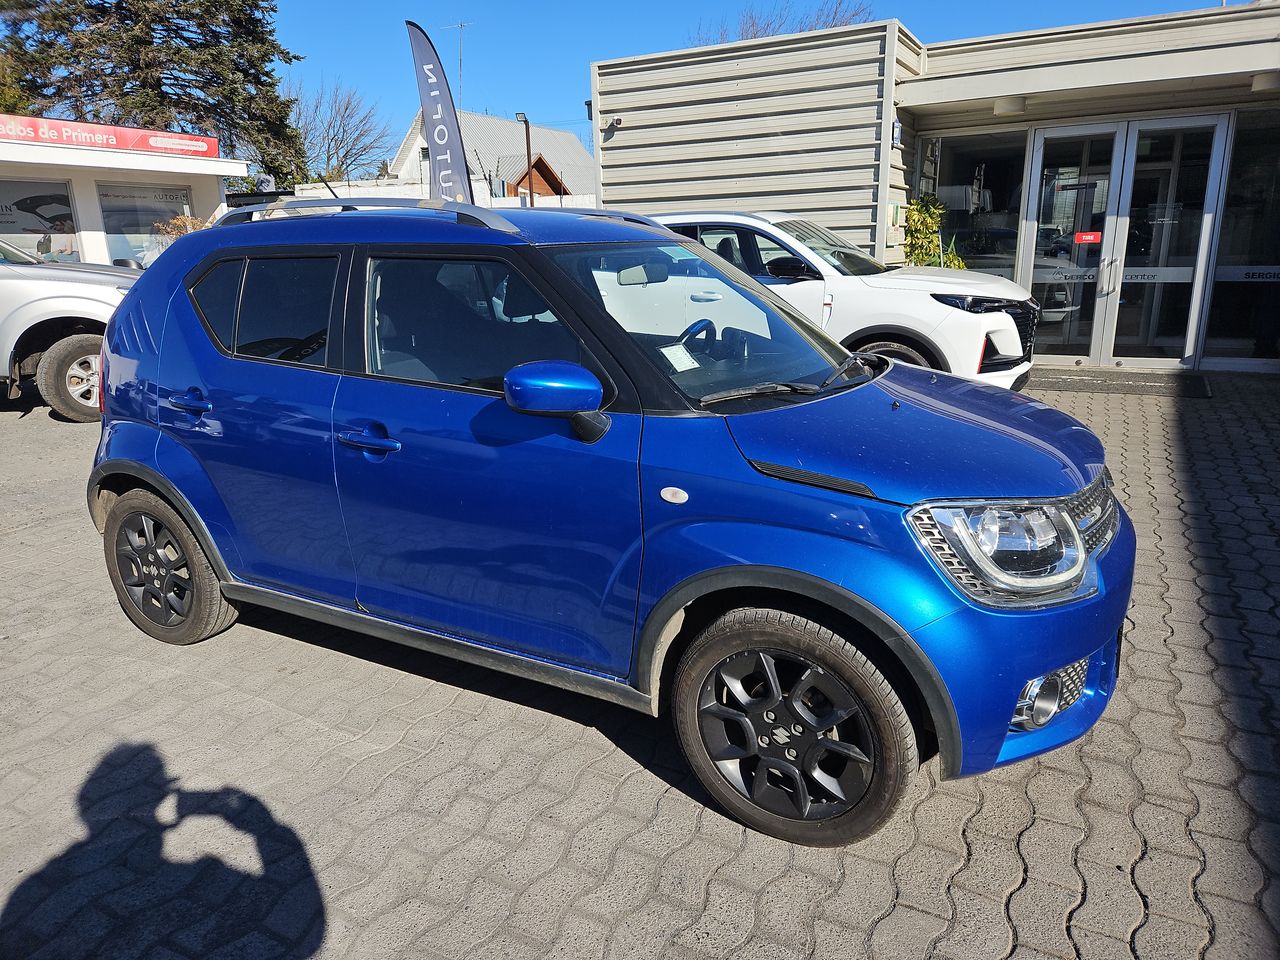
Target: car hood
914, 435
79, 273
939, 280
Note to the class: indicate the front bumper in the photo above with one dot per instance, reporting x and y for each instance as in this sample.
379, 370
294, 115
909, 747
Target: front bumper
985, 656
1012, 379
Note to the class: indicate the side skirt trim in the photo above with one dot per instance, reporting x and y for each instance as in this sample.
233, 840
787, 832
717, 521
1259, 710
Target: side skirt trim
614, 691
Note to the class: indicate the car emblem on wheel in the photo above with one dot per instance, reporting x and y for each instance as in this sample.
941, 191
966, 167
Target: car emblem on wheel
781, 735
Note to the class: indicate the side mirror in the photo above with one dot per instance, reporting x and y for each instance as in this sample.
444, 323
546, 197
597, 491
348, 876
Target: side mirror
557, 388
791, 268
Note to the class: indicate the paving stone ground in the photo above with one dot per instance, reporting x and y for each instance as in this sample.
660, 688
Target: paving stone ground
390, 803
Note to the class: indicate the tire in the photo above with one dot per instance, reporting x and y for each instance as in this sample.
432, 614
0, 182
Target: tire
161, 576
895, 350
67, 377
812, 792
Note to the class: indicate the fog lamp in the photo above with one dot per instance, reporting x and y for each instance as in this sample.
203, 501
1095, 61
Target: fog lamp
1038, 703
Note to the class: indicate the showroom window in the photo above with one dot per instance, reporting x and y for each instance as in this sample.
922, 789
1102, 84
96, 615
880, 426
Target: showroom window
36, 217
133, 216
978, 178
1244, 316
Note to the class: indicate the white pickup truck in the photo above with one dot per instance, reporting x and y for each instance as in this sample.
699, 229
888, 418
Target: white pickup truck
52, 316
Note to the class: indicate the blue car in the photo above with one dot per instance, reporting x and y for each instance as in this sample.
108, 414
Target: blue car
576, 447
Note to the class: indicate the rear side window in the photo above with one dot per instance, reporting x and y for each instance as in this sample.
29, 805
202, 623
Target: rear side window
216, 296
285, 307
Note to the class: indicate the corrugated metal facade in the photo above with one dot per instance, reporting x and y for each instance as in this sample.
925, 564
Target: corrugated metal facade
791, 123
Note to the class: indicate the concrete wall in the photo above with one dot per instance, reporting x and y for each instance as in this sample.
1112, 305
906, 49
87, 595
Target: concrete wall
796, 123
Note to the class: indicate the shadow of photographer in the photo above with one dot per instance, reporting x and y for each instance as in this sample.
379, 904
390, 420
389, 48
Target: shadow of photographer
114, 894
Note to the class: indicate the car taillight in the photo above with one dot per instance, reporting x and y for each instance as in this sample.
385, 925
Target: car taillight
102, 377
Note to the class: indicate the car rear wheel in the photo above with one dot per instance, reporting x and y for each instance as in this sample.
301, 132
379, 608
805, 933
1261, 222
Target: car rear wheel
792, 729
894, 350
68, 377
161, 576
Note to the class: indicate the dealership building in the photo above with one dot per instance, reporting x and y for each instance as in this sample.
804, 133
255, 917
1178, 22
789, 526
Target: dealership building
1126, 172
89, 192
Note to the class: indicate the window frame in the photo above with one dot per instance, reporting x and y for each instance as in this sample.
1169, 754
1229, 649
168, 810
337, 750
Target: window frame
619, 394
756, 232
336, 341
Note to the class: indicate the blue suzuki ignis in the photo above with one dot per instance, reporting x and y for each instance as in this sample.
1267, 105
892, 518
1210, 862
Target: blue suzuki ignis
576, 447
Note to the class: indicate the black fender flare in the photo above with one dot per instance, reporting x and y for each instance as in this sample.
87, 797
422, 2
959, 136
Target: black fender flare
902, 333
131, 468
664, 621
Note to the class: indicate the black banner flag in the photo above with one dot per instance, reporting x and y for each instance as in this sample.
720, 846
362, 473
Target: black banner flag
447, 177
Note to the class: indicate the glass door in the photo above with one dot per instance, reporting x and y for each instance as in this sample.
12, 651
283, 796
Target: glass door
1169, 191
1074, 197
1115, 237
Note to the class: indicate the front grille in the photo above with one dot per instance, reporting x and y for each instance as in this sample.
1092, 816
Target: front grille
1072, 680
1026, 317
1094, 512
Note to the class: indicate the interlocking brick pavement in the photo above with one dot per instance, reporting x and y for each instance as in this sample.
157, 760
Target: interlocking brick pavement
410, 806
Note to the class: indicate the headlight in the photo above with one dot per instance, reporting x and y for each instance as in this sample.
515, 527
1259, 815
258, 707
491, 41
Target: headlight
974, 304
1005, 554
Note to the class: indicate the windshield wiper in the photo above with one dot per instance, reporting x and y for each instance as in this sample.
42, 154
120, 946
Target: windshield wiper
844, 367
759, 389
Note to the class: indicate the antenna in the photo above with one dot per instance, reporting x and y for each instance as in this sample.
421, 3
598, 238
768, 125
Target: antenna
460, 26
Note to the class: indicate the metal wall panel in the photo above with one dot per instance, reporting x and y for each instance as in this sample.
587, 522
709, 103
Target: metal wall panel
785, 123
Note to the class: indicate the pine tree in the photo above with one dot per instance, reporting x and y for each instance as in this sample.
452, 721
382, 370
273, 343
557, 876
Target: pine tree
197, 66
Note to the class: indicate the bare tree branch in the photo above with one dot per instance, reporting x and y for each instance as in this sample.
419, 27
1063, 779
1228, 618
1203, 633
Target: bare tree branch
342, 134
782, 17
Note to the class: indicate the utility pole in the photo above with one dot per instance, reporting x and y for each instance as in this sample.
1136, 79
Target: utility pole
460, 26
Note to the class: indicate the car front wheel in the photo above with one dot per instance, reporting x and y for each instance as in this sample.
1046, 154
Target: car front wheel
893, 349
792, 729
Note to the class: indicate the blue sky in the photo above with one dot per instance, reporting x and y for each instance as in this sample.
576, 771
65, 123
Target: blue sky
535, 56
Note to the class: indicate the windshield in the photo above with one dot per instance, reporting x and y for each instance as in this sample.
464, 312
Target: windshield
11, 254
708, 327
833, 248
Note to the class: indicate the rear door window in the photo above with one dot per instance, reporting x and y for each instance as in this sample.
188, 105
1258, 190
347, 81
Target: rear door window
285, 309
216, 296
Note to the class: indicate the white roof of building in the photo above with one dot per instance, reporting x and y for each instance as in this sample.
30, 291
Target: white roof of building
495, 147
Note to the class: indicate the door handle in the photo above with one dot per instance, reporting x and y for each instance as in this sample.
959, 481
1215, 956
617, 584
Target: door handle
364, 440
706, 297
190, 401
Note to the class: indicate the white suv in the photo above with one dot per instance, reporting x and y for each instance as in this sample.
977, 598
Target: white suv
967, 323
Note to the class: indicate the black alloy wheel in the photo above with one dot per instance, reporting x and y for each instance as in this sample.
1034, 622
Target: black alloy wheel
786, 734
791, 729
154, 569
160, 572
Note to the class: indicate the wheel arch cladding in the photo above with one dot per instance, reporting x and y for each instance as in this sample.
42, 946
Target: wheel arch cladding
910, 338
112, 478
694, 603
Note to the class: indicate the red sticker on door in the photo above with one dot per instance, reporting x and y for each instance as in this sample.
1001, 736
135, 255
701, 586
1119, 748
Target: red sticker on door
1091, 236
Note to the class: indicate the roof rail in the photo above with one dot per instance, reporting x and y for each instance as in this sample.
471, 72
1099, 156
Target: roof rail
623, 215
465, 212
